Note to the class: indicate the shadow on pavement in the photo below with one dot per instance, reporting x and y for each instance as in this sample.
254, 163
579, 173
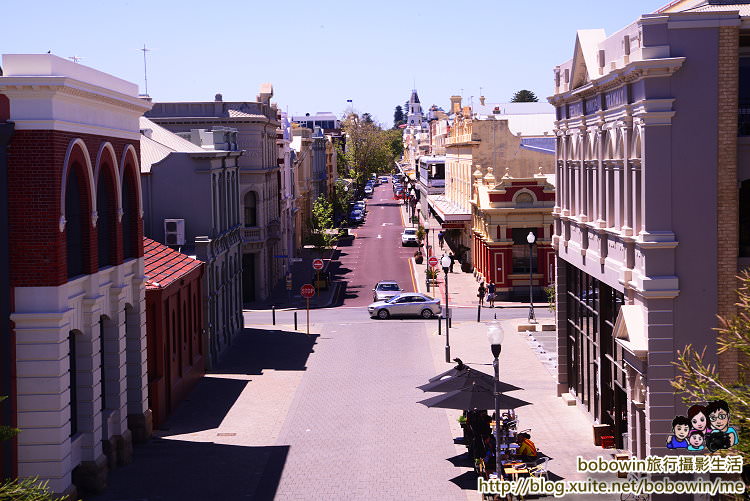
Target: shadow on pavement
258, 349
165, 470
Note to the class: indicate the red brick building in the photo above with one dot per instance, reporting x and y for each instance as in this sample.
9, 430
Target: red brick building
76, 269
174, 326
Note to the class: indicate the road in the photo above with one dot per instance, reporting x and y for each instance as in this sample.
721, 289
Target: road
329, 416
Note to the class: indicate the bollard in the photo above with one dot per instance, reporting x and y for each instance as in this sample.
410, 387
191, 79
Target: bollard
479, 312
273, 314
440, 325
295, 320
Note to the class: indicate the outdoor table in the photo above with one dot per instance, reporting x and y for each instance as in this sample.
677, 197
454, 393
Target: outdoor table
514, 470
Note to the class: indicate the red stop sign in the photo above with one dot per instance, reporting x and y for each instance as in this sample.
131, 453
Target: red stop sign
307, 291
433, 261
317, 264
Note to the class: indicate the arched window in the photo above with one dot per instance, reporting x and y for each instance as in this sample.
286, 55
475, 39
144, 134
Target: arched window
106, 224
524, 199
75, 221
251, 215
130, 214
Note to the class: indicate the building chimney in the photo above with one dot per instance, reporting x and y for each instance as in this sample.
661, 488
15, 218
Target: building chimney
455, 104
481, 100
218, 97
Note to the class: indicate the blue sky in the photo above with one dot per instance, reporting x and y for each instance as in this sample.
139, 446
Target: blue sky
318, 54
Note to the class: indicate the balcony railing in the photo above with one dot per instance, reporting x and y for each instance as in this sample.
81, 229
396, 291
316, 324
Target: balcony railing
253, 235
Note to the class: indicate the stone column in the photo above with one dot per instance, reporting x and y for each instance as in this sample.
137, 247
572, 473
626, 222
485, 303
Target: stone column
139, 415
584, 182
627, 224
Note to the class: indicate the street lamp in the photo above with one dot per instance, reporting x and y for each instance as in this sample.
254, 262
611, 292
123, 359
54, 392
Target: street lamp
531, 239
445, 262
496, 335
427, 253
413, 203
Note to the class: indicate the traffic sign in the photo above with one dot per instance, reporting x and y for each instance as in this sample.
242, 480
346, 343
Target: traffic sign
307, 291
317, 264
433, 261
296, 260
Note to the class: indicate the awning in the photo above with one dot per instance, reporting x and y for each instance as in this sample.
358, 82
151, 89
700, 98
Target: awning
629, 331
448, 210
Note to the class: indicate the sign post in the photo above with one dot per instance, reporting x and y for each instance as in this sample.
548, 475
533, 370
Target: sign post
432, 262
308, 291
317, 265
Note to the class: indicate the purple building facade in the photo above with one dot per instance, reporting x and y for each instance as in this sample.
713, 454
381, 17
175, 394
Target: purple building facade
650, 155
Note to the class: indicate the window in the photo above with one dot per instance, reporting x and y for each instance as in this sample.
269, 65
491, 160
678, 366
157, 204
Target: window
75, 219
251, 216
130, 215
524, 199
105, 225
522, 256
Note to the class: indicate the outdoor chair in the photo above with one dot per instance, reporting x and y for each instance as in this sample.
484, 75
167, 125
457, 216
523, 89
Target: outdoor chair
540, 468
633, 477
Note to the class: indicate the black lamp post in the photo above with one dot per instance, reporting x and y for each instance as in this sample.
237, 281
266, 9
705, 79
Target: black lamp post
413, 203
496, 335
427, 253
445, 262
531, 239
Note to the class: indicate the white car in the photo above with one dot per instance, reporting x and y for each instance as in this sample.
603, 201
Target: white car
406, 304
409, 237
368, 190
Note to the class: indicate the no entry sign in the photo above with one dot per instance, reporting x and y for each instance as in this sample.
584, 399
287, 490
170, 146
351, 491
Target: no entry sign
433, 261
307, 291
317, 264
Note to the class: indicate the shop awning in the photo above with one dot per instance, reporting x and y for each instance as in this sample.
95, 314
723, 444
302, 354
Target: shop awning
629, 331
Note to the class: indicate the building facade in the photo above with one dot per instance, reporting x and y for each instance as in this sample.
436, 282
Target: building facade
303, 170
646, 216
77, 280
174, 326
319, 168
260, 178
191, 195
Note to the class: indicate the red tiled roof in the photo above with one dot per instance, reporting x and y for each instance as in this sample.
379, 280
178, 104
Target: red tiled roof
163, 265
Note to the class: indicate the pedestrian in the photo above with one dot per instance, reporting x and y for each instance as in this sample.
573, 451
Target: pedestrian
482, 290
453, 260
491, 288
441, 237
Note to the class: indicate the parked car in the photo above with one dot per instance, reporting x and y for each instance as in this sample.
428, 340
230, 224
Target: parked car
360, 205
356, 216
368, 190
406, 304
386, 289
409, 237
383, 179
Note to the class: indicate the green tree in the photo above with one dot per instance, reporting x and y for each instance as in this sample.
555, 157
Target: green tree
699, 381
524, 96
321, 221
369, 149
342, 195
398, 117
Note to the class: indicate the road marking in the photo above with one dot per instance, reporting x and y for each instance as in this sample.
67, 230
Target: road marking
387, 224
380, 236
413, 280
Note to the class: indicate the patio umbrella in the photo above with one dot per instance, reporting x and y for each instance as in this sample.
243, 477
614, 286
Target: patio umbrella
472, 397
458, 369
466, 378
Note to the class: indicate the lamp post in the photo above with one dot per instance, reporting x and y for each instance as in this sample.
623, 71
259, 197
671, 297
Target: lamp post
427, 253
445, 262
531, 239
496, 335
413, 203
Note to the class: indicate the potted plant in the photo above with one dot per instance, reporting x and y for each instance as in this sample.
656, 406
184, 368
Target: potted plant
418, 256
432, 275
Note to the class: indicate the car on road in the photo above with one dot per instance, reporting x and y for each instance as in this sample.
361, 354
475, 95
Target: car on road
361, 205
368, 190
356, 216
383, 179
409, 237
405, 304
386, 289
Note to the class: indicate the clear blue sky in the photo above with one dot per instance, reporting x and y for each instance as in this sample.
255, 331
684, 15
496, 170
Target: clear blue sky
318, 54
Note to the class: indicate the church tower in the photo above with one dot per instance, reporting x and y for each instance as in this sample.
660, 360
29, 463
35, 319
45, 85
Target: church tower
414, 113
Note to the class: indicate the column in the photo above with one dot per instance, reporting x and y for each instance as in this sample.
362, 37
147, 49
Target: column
584, 182
116, 376
601, 220
627, 226
139, 415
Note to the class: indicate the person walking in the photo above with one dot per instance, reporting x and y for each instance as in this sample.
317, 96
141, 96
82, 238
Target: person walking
441, 237
453, 260
491, 288
482, 290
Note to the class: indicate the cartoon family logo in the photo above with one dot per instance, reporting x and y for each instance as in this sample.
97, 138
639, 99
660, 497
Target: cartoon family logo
705, 427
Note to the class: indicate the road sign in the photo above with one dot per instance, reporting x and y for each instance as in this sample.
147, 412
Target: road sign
281, 256
307, 291
433, 261
296, 260
317, 264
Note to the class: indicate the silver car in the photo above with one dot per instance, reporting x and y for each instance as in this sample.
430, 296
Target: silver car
386, 289
406, 304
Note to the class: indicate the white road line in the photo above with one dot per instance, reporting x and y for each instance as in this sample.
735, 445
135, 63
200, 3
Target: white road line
380, 236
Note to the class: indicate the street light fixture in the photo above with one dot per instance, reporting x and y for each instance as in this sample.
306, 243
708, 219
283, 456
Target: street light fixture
531, 239
495, 335
445, 262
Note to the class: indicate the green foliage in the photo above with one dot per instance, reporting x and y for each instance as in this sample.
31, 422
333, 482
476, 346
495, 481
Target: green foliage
27, 489
550, 292
420, 233
342, 196
432, 273
398, 117
369, 149
524, 96
700, 382
321, 221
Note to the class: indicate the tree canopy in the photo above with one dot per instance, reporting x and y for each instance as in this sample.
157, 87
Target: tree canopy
524, 96
398, 117
369, 149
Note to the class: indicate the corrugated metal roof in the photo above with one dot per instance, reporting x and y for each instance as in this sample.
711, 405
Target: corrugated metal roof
743, 8
540, 144
164, 265
241, 114
159, 142
151, 153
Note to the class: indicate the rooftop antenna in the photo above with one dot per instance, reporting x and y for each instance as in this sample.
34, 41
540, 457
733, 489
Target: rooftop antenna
75, 59
145, 76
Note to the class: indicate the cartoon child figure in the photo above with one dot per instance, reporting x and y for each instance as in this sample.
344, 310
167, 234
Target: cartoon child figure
696, 440
718, 415
680, 432
698, 418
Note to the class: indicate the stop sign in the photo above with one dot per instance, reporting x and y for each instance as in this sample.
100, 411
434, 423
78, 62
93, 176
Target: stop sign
308, 291
433, 261
317, 264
